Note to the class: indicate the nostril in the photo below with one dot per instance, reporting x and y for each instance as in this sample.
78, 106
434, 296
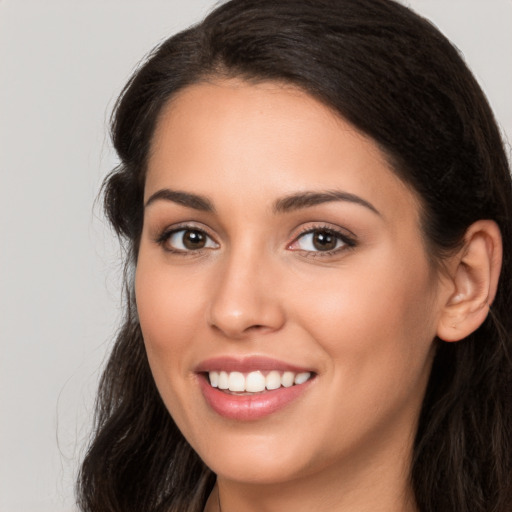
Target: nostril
257, 327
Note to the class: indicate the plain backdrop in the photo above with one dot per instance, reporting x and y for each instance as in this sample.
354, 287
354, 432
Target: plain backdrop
62, 63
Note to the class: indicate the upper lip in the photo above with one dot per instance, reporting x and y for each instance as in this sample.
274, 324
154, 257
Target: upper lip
247, 364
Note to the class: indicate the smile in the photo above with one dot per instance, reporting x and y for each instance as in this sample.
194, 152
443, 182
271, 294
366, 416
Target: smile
255, 381
251, 388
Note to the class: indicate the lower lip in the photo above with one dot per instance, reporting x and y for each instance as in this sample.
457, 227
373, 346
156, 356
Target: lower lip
250, 407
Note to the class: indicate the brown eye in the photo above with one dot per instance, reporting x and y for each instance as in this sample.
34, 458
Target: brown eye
186, 240
194, 239
324, 241
321, 240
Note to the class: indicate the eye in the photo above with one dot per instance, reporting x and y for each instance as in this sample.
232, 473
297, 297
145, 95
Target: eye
186, 240
321, 240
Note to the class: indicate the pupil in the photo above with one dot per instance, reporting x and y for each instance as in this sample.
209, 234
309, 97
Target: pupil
324, 241
194, 240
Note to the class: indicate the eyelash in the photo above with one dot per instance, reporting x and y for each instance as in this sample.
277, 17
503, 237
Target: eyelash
164, 237
348, 242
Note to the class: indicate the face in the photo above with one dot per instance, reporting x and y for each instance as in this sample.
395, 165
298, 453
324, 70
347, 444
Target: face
287, 304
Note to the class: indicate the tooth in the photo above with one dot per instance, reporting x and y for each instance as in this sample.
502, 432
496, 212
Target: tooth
255, 382
287, 379
300, 378
236, 381
214, 379
273, 380
223, 380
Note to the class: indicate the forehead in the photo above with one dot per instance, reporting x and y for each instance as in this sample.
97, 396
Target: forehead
265, 140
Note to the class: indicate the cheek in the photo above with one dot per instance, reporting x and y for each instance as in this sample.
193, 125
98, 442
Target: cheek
382, 295
169, 313
168, 305
377, 324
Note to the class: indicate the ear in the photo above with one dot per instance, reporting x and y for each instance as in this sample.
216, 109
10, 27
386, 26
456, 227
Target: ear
474, 273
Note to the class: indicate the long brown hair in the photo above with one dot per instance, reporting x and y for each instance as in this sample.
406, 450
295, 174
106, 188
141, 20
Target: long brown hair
396, 78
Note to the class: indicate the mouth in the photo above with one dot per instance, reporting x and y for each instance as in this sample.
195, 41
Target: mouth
251, 388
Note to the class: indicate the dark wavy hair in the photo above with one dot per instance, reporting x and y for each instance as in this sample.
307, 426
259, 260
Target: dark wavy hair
397, 79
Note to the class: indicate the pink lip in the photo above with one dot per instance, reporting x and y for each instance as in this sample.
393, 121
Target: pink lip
248, 407
247, 364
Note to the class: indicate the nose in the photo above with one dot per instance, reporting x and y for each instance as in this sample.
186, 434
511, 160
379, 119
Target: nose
245, 298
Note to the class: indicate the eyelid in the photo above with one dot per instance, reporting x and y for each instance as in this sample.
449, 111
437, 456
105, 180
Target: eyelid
165, 234
348, 239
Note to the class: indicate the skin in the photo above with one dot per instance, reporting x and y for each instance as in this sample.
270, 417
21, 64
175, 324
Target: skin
362, 318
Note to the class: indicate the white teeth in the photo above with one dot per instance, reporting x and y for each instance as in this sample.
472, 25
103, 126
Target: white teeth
273, 380
236, 381
214, 379
223, 380
300, 378
256, 382
287, 379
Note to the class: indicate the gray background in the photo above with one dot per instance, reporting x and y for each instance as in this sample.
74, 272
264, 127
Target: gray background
62, 63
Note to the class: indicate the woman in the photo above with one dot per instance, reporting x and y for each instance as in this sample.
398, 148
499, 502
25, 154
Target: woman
316, 205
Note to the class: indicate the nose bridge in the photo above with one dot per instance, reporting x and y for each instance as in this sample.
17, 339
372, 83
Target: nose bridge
245, 298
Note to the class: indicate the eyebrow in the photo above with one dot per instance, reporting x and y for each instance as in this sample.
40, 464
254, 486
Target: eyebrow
286, 204
187, 199
309, 199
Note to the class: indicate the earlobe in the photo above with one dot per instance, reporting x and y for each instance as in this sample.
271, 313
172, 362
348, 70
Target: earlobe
474, 278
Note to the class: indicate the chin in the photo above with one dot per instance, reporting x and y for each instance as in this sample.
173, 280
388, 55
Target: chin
257, 459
